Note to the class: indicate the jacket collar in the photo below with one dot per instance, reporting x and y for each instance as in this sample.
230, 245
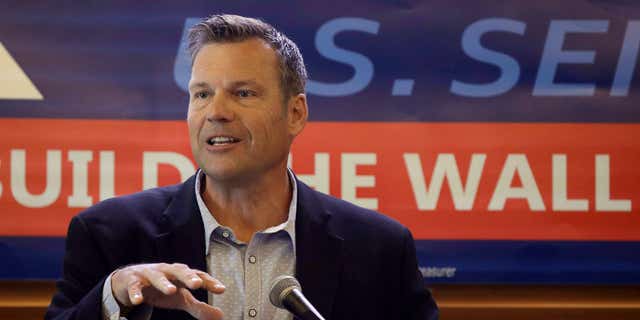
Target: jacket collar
318, 250
180, 240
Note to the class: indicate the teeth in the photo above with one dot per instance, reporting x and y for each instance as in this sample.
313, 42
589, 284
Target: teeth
221, 140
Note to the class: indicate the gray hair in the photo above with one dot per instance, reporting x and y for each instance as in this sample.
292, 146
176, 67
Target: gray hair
232, 28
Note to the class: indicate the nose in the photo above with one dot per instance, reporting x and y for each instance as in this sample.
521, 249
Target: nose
220, 108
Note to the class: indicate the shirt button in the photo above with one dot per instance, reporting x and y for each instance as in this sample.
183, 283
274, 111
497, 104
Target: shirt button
253, 313
252, 259
225, 234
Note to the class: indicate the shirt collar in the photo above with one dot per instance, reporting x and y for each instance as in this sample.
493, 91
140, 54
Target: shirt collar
210, 223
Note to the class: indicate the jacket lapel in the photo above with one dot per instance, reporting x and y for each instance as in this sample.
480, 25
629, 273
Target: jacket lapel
318, 251
182, 237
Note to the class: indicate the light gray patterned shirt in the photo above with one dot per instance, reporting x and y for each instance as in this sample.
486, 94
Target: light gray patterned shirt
246, 269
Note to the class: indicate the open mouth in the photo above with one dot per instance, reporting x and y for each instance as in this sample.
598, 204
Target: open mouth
222, 140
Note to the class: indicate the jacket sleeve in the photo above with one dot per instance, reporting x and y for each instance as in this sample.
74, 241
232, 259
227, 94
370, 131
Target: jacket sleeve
79, 293
416, 301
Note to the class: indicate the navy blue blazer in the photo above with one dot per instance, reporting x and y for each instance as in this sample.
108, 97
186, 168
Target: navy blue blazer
352, 263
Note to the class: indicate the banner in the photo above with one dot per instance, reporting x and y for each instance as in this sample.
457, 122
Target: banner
504, 136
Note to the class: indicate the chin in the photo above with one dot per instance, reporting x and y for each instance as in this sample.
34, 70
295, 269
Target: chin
230, 174
219, 173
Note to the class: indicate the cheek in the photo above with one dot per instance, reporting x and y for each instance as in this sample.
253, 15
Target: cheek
193, 124
192, 114
275, 131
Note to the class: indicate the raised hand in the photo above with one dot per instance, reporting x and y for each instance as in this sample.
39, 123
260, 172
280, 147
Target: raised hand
166, 286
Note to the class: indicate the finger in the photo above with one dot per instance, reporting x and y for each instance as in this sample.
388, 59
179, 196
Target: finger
199, 309
124, 284
185, 275
159, 281
135, 293
210, 283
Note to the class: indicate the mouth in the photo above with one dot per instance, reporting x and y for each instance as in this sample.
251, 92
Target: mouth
222, 140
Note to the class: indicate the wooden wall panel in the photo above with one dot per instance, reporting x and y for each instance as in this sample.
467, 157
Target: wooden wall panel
28, 301
537, 302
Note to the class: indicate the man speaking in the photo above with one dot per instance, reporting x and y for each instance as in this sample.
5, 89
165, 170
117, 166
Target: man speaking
211, 247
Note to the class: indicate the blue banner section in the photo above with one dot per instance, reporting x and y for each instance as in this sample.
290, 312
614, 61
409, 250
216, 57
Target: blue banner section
394, 60
529, 262
441, 261
31, 257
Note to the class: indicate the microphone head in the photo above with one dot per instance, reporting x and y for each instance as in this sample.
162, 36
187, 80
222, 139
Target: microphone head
280, 287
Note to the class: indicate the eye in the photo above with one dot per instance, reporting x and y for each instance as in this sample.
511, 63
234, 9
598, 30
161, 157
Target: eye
201, 95
245, 93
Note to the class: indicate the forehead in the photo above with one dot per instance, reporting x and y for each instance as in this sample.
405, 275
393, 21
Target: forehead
228, 61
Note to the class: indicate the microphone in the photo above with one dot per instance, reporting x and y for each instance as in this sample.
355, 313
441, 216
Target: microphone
286, 293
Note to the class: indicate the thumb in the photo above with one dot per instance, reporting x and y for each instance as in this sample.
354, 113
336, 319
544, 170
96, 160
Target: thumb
199, 309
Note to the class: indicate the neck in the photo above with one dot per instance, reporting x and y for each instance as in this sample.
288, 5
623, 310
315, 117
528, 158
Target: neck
250, 207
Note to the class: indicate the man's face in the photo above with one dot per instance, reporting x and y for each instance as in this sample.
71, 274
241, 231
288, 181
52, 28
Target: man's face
238, 125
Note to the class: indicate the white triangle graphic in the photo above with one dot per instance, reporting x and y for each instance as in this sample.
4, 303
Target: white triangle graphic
14, 83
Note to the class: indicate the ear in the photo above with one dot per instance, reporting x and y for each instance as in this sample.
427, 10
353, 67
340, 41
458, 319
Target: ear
297, 115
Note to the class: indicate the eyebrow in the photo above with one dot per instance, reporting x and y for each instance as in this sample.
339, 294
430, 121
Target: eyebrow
234, 84
242, 83
199, 85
